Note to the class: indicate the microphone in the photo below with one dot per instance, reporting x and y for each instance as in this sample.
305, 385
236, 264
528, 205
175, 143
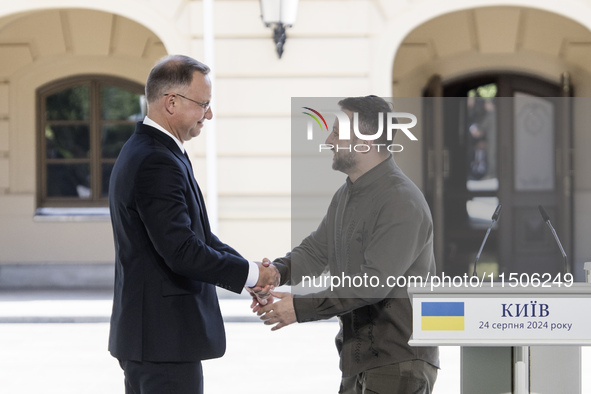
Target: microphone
547, 220
497, 213
544, 215
494, 218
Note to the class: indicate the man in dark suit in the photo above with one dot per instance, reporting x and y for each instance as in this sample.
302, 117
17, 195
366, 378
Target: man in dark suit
166, 316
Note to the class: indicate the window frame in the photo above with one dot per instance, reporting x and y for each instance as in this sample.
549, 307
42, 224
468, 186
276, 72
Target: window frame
95, 159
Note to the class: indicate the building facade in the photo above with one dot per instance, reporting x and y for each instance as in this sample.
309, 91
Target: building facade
87, 53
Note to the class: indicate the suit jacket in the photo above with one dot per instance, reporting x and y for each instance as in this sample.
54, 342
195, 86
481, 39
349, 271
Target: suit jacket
165, 307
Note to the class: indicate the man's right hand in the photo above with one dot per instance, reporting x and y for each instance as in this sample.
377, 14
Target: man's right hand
268, 275
269, 278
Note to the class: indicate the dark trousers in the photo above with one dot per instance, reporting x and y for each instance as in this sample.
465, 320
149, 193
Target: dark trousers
162, 378
408, 377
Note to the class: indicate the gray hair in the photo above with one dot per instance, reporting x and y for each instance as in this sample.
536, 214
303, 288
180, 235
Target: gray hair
170, 73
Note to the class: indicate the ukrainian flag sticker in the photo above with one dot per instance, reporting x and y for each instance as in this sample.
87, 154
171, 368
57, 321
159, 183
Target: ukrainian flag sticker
442, 316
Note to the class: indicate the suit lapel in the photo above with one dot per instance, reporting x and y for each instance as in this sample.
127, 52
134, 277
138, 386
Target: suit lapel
196, 190
174, 149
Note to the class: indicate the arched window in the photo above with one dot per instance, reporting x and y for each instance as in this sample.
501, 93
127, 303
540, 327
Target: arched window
83, 123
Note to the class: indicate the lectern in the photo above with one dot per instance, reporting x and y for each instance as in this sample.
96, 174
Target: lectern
521, 339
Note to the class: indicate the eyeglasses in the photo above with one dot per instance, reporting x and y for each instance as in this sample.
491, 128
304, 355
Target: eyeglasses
205, 106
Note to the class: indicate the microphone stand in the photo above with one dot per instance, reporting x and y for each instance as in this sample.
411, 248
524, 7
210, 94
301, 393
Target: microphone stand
495, 216
547, 220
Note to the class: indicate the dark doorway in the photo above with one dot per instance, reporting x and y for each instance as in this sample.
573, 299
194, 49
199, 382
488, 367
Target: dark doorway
499, 139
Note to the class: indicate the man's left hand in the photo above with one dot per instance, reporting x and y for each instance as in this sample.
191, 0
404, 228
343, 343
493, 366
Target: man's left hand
281, 312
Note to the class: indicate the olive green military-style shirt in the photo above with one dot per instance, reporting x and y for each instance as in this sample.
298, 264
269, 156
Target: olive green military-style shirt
378, 228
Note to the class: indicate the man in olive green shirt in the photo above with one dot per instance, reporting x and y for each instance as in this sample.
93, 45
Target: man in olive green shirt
379, 226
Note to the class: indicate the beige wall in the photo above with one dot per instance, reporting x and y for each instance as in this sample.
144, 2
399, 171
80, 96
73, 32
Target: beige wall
336, 48
253, 91
516, 39
38, 48
324, 56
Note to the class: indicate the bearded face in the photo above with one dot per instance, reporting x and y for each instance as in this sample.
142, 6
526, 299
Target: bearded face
344, 161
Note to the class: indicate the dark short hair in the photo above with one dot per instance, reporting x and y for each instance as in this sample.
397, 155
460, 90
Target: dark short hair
369, 109
171, 73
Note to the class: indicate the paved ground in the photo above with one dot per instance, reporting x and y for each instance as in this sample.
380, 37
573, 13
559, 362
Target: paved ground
43, 351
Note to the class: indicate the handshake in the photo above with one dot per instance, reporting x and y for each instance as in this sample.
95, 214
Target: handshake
269, 278
279, 313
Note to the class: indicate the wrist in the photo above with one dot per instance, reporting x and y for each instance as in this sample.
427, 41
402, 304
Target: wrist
253, 274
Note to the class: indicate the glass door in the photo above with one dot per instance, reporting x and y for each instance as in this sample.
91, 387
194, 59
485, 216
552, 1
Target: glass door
501, 144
